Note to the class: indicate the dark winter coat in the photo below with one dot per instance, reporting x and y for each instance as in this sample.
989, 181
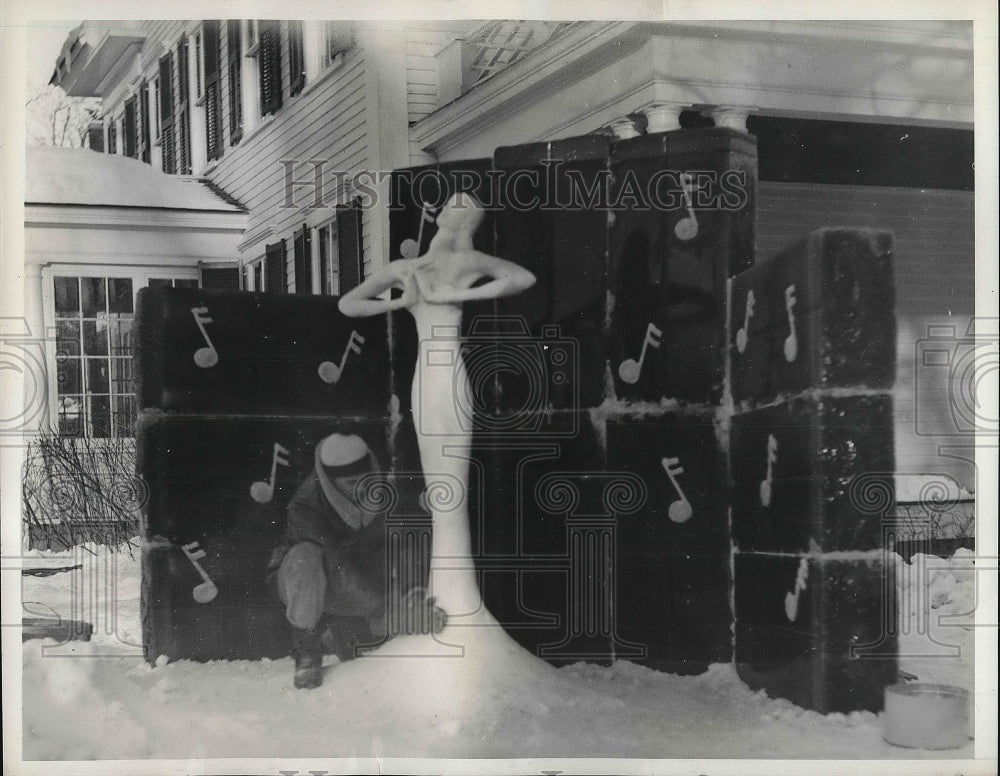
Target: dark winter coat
354, 559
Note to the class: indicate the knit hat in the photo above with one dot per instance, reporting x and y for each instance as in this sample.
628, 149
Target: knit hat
343, 455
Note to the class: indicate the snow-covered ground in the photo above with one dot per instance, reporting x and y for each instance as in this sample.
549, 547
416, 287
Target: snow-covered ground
499, 703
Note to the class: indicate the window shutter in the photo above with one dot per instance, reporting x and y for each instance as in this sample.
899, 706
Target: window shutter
269, 62
349, 243
213, 87
303, 261
95, 136
296, 58
113, 136
275, 269
144, 150
220, 277
129, 128
167, 135
234, 61
183, 104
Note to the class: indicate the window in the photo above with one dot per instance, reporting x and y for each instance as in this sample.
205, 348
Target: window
337, 39
95, 136
269, 66
275, 267
258, 275
349, 246
94, 318
172, 283
144, 150
183, 108
130, 131
296, 58
253, 37
156, 109
199, 76
327, 259
302, 254
234, 66
167, 132
213, 88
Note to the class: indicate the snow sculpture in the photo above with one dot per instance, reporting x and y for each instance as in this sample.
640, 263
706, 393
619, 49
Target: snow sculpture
434, 287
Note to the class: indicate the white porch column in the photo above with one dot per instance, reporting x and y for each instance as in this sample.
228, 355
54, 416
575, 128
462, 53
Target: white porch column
625, 128
731, 117
663, 116
36, 384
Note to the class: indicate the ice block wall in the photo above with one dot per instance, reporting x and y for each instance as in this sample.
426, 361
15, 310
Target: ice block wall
812, 346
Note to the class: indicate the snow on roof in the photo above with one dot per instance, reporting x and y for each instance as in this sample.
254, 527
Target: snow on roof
79, 176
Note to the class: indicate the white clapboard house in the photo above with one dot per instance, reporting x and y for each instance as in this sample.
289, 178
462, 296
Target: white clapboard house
857, 123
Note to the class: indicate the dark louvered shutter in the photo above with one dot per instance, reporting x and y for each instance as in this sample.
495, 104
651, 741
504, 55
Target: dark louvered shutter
303, 261
144, 150
95, 135
128, 130
296, 58
183, 109
349, 244
113, 136
213, 89
234, 61
275, 269
168, 145
269, 62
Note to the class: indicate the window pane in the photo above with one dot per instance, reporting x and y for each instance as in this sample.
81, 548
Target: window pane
70, 419
121, 375
100, 415
68, 338
97, 376
121, 336
159, 283
120, 295
186, 283
68, 375
67, 297
95, 338
93, 297
124, 416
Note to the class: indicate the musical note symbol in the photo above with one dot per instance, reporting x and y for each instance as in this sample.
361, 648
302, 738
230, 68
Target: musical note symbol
687, 228
792, 599
792, 340
409, 248
629, 369
742, 335
329, 372
208, 356
207, 590
680, 510
772, 458
263, 492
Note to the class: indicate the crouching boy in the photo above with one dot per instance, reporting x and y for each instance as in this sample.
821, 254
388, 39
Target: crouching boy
331, 570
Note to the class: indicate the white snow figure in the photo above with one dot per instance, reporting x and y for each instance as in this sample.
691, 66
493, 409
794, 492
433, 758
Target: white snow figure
434, 287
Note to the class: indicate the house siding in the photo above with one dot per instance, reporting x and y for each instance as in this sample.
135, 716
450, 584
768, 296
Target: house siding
302, 130
423, 42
